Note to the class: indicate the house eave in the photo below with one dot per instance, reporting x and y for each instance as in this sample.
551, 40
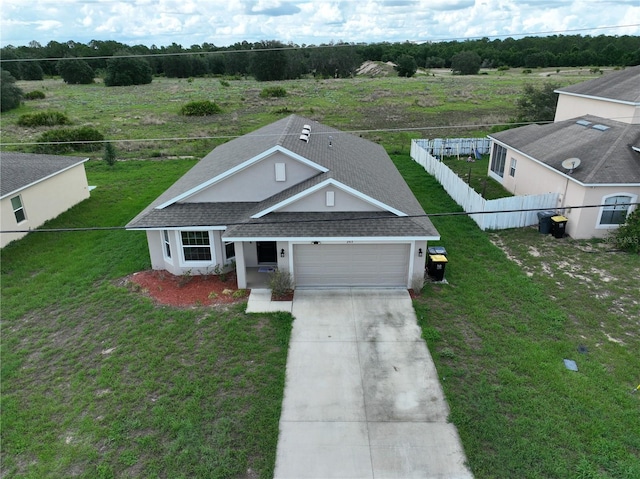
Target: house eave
18, 190
335, 239
599, 98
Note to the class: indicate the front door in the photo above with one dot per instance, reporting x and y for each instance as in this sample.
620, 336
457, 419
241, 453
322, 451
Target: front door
267, 253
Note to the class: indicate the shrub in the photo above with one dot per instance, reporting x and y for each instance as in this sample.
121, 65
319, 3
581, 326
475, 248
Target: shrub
44, 118
34, 95
280, 283
75, 72
125, 71
109, 154
627, 236
11, 94
70, 139
224, 83
273, 92
200, 108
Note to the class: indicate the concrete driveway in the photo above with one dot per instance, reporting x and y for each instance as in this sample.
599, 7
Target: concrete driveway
362, 396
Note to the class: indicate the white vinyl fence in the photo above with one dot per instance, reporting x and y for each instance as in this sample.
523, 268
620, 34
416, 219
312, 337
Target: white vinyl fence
486, 210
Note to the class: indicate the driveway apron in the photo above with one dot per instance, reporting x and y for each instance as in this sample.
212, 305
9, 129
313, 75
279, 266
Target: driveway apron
362, 397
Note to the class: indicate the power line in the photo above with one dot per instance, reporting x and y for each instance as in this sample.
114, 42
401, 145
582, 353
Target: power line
326, 220
310, 47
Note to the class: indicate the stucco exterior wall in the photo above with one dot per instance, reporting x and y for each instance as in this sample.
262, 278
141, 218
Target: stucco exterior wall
570, 106
261, 176
533, 178
44, 201
317, 201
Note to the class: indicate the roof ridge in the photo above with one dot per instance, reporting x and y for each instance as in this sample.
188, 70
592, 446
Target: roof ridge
285, 130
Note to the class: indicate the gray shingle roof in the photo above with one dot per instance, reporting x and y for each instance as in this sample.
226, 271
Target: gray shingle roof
621, 85
607, 157
18, 170
351, 160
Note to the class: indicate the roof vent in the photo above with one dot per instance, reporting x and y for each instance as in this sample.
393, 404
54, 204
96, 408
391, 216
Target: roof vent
583, 122
304, 138
600, 127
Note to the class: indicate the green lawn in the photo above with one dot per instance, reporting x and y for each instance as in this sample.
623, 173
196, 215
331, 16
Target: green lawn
98, 382
475, 174
499, 332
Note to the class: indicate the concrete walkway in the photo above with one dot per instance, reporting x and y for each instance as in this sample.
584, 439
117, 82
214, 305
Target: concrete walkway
362, 396
260, 302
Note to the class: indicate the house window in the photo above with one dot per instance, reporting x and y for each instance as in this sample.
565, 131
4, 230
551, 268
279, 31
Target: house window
229, 250
331, 198
498, 159
615, 210
167, 244
512, 170
18, 209
281, 172
196, 246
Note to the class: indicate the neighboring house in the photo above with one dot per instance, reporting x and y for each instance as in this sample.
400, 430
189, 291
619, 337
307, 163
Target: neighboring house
596, 129
36, 188
328, 207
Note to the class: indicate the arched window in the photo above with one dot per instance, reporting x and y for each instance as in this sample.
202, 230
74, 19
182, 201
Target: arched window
615, 210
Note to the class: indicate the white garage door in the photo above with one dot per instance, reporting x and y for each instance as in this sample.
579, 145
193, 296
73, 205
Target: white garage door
351, 265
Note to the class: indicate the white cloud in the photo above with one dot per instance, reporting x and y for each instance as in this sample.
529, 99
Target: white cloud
224, 22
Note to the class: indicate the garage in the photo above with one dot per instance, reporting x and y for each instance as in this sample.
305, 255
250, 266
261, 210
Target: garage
373, 265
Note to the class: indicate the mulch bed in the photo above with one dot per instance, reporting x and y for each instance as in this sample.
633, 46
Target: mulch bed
182, 291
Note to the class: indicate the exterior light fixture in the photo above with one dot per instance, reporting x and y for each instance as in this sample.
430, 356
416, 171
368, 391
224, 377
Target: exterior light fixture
420, 252
282, 253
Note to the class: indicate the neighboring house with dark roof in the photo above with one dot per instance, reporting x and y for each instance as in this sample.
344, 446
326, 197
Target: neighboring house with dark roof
36, 188
328, 207
615, 95
597, 131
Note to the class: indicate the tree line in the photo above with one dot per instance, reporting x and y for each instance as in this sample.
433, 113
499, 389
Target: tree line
273, 60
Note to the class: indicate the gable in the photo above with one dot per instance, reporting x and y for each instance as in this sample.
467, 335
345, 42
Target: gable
199, 171
312, 197
259, 180
330, 198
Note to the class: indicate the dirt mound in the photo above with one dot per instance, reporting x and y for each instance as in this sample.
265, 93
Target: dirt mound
376, 69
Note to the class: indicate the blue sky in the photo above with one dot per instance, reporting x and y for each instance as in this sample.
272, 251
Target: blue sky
189, 22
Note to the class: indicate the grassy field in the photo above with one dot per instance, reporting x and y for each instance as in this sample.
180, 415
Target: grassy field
516, 305
428, 106
99, 382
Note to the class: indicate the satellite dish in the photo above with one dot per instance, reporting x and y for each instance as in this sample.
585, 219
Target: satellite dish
571, 164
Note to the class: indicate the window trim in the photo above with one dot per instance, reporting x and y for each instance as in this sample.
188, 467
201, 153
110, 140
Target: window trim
193, 263
631, 198
512, 167
19, 209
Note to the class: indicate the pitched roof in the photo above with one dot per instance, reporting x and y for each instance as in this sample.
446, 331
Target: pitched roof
19, 170
353, 161
620, 85
606, 154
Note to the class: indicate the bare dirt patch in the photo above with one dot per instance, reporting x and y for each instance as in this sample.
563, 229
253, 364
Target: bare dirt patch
186, 291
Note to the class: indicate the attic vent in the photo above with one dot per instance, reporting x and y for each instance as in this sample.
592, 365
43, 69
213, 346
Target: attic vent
583, 122
306, 131
600, 127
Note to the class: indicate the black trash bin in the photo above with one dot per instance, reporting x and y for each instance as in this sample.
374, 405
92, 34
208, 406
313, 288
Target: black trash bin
433, 250
544, 221
436, 266
558, 226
